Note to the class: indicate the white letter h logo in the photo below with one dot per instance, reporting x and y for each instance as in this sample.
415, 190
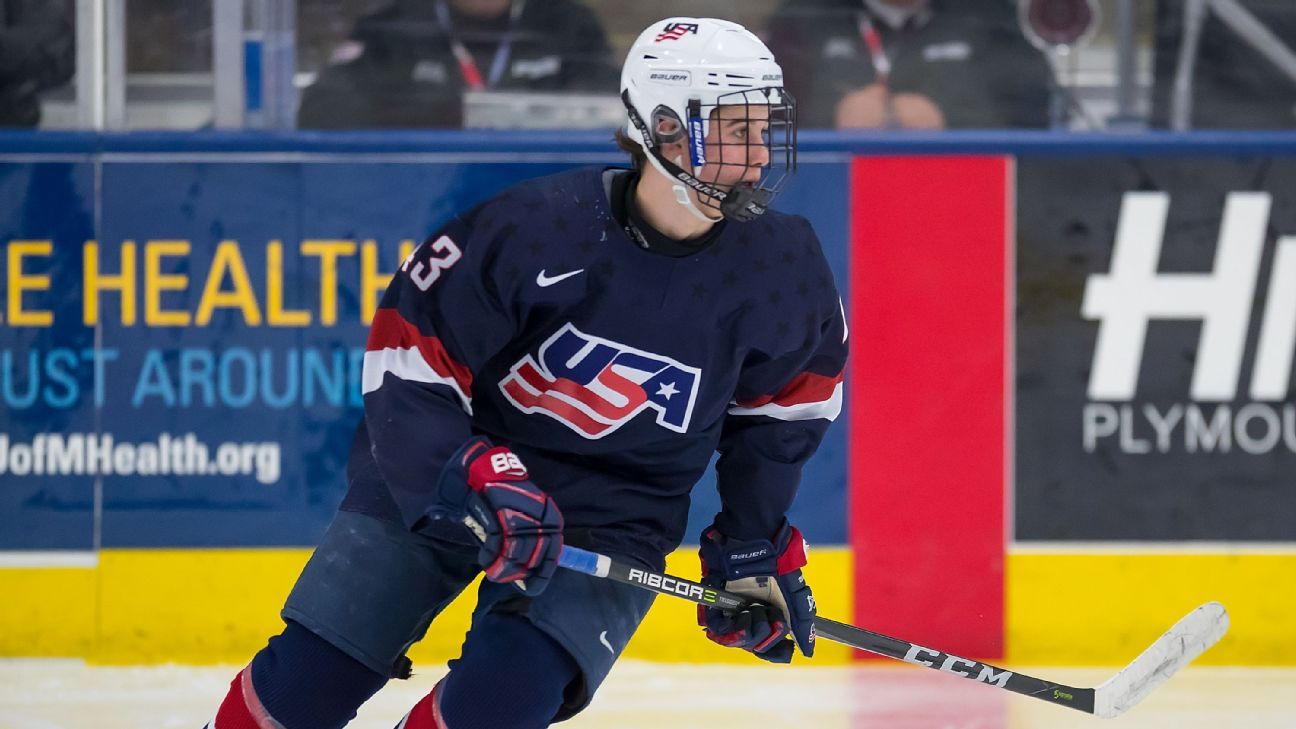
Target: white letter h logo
1133, 293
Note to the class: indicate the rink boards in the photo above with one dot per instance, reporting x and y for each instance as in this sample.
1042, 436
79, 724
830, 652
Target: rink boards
179, 367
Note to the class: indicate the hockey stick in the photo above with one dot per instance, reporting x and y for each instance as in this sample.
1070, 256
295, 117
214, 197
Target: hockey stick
1187, 639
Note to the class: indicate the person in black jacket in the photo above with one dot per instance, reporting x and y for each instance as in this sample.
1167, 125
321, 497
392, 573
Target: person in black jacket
412, 61
1234, 86
37, 52
910, 64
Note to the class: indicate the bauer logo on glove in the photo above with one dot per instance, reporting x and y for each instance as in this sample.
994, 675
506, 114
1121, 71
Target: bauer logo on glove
770, 573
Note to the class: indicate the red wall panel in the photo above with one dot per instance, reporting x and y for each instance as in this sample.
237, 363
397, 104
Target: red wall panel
930, 257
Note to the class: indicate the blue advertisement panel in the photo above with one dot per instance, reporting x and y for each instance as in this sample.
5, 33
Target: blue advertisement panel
181, 354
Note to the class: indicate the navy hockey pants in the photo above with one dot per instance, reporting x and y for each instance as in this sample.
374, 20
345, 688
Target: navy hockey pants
372, 589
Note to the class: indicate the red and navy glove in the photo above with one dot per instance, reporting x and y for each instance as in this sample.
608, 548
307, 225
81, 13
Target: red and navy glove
519, 527
770, 573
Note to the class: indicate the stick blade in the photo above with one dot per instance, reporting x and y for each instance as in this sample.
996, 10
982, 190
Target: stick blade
1189, 638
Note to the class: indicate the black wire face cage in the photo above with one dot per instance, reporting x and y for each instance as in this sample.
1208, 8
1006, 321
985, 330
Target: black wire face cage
740, 124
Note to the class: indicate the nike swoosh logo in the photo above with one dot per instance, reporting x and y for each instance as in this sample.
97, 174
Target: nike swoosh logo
603, 639
544, 281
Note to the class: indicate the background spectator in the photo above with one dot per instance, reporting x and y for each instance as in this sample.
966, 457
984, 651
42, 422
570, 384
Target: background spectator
1234, 86
911, 64
408, 65
37, 52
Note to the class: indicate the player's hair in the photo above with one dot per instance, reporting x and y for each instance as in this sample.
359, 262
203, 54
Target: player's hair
632, 148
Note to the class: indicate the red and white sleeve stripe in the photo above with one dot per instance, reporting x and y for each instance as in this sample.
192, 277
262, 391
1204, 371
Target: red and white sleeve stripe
396, 346
807, 397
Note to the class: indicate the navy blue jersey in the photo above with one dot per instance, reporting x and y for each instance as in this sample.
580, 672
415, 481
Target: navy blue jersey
614, 372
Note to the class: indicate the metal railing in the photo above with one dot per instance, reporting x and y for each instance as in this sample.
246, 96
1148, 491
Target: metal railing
254, 59
1247, 27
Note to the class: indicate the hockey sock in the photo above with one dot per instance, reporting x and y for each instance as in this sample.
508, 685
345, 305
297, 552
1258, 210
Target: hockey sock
426, 714
511, 676
241, 708
298, 681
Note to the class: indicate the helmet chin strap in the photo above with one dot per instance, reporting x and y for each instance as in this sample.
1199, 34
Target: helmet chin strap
682, 197
680, 190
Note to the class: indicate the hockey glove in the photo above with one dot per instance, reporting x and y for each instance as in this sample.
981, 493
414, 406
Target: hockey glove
770, 573
519, 527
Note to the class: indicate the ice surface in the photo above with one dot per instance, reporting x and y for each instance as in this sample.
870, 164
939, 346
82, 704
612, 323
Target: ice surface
40, 694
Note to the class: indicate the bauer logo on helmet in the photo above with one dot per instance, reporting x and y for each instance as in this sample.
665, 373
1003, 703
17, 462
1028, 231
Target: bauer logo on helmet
675, 78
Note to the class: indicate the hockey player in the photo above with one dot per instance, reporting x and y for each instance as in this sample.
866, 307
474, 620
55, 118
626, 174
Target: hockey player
559, 364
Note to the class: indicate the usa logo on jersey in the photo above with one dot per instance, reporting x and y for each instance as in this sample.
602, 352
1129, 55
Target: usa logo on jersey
594, 385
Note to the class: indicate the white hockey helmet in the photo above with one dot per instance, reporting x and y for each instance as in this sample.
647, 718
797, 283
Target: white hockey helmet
679, 70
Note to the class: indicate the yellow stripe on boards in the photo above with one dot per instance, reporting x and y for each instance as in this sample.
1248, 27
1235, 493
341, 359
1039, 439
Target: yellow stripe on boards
191, 605
1067, 608
47, 611
1100, 608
